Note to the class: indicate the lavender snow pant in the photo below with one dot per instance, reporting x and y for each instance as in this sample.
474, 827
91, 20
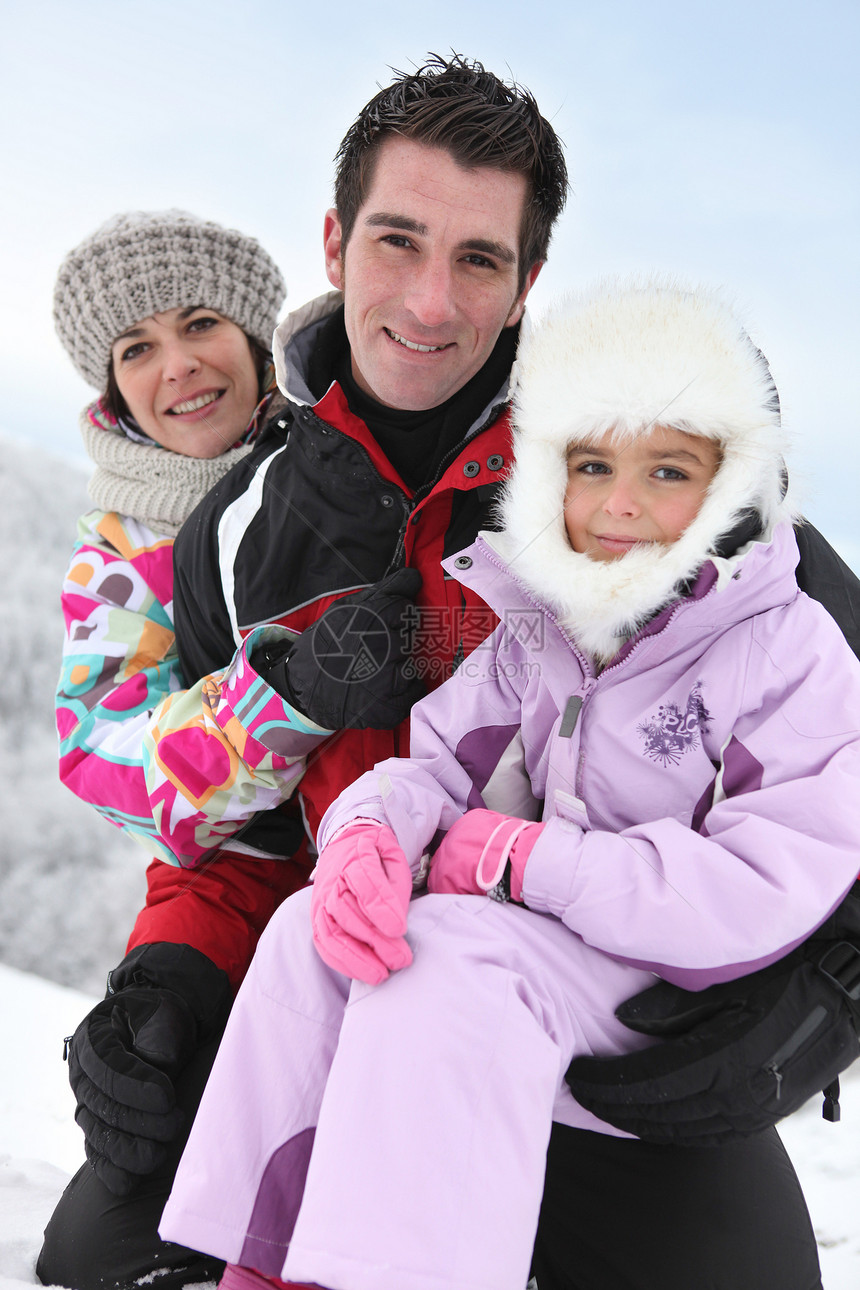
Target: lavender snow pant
394, 1137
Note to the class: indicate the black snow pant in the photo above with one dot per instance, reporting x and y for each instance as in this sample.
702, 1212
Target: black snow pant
97, 1241
617, 1214
620, 1214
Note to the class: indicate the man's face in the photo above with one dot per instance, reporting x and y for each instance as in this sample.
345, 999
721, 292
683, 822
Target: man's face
429, 274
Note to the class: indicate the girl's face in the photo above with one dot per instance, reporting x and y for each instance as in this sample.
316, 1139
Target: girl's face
646, 490
188, 378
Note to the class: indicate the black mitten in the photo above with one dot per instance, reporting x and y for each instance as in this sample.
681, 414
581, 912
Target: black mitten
737, 1057
164, 1001
351, 667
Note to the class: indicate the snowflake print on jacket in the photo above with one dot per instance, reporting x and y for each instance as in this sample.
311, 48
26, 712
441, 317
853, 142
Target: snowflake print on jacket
672, 732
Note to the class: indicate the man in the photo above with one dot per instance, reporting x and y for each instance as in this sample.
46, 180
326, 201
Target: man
388, 459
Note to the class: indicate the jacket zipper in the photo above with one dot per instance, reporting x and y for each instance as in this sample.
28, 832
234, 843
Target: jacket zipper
406, 507
795, 1041
398, 560
617, 662
409, 507
422, 493
492, 416
590, 680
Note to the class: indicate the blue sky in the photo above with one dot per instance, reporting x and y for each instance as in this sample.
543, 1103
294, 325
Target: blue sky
717, 142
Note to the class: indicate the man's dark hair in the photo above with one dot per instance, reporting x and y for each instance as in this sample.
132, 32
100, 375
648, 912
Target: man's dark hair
481, 121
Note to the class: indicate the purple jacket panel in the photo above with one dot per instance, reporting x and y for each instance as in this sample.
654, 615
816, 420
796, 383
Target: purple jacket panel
702, 805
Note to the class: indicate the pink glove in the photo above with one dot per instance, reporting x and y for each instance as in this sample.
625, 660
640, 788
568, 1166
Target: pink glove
361, 891
474, 853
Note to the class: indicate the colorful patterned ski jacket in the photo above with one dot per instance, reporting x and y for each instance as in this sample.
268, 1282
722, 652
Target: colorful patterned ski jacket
120, 662
119, 656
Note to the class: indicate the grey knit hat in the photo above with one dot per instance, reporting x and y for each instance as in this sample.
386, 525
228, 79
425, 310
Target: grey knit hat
146, 262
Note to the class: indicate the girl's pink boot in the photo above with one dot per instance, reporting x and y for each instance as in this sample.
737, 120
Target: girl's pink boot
239, 1278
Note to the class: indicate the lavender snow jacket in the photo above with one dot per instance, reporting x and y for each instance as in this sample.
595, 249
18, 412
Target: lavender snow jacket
701, 794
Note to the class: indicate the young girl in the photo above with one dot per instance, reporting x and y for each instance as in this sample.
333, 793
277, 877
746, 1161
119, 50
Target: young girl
650, 767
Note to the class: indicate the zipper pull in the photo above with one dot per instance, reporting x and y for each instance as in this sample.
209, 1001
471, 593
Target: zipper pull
831, 1110
571, 716
777, 1075
66, 1043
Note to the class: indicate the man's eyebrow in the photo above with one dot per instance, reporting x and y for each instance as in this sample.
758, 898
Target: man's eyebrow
498, 249
396, 221
481, 245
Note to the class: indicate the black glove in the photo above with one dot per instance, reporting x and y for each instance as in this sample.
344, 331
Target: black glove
163, 1001
351, 667
736, 1057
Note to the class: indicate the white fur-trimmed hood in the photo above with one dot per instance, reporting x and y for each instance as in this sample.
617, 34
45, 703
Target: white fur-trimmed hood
628, 356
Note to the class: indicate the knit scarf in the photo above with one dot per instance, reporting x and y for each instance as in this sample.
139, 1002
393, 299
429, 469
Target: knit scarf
157, 487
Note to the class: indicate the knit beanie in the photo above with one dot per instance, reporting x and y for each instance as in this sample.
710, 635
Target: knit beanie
146, 262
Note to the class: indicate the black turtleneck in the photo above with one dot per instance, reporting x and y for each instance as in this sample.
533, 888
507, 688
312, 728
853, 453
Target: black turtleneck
415, 443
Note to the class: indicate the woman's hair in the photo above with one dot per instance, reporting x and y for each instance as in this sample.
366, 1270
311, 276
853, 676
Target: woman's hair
481, 121
115, 405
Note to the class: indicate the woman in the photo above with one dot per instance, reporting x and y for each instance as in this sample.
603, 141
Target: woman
171, 318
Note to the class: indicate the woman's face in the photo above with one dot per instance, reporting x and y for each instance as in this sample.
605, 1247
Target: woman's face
188, 378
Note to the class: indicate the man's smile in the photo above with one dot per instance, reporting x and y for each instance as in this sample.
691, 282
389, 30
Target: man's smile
411, 344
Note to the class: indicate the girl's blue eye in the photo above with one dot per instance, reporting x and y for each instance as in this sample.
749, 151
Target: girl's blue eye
669, 472
593, 468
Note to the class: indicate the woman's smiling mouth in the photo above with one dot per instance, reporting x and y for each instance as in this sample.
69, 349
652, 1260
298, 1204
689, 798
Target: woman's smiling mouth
195, 404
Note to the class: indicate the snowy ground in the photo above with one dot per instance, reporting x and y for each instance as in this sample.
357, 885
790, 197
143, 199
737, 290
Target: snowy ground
40, 1145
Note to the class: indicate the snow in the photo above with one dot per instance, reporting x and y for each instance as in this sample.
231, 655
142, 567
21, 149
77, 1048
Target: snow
40, 1144
70, 886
